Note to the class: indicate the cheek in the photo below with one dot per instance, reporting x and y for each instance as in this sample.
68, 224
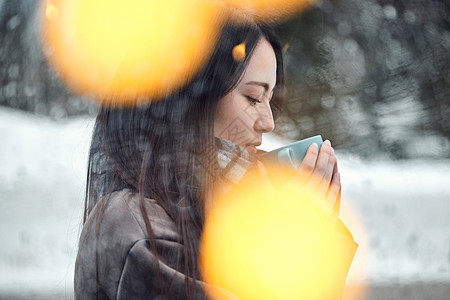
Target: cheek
247, 117
233, 116
223, 115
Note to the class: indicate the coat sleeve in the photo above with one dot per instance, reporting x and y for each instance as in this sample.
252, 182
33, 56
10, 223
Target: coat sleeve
140, 279
348, 247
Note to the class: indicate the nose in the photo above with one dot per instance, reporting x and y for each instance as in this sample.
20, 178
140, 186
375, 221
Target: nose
264, 122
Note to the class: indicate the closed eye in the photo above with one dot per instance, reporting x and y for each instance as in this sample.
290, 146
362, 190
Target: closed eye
252, 100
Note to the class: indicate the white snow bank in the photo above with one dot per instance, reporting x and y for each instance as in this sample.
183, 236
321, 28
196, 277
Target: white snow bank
398, 211
41, 192
404, 208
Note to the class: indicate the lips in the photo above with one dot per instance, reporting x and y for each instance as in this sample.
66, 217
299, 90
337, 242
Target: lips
251, 148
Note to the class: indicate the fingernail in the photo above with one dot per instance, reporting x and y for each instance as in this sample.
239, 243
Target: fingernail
327, 143
338, 177
314, 145
332, 150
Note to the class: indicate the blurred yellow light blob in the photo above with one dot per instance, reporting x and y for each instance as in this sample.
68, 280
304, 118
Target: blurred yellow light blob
239, 52
51, 12
265, 243
122, 51
270, 11
357, 287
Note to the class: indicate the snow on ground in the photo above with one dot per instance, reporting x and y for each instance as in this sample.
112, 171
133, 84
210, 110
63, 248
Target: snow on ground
41, 193
404, 208
398, 212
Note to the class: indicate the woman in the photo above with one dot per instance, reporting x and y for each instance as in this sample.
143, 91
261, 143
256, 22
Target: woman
152, 169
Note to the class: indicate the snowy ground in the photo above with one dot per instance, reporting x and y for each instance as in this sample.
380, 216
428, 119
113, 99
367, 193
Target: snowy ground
398, 211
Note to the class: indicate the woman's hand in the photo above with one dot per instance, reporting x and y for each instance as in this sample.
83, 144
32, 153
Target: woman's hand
319, 171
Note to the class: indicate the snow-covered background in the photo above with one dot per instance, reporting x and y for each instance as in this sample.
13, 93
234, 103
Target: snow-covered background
398, 211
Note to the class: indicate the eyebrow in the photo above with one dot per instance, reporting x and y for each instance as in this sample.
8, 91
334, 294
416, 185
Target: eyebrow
259, 83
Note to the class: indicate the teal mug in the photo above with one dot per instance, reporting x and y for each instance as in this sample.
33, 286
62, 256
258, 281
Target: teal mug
292, 155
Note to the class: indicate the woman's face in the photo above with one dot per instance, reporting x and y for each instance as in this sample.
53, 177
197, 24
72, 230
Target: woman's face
244, 114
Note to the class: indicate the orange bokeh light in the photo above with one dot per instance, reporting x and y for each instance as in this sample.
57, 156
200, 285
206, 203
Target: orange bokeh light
239, 52
123, 51
270, 11
357, 281
261, 242
51, 12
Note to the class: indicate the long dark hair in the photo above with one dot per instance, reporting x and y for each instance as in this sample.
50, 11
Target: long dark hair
161, 150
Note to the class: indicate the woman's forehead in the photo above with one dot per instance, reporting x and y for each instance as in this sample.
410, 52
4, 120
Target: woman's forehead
262, 67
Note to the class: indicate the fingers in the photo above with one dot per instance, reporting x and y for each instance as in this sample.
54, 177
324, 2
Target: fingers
306, 168
337, 204
320, 171
322, 165
333, 197
336, 179
317, 170
336, 169
325, 173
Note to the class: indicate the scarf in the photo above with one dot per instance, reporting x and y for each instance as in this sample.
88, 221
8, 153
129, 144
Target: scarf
233, 162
